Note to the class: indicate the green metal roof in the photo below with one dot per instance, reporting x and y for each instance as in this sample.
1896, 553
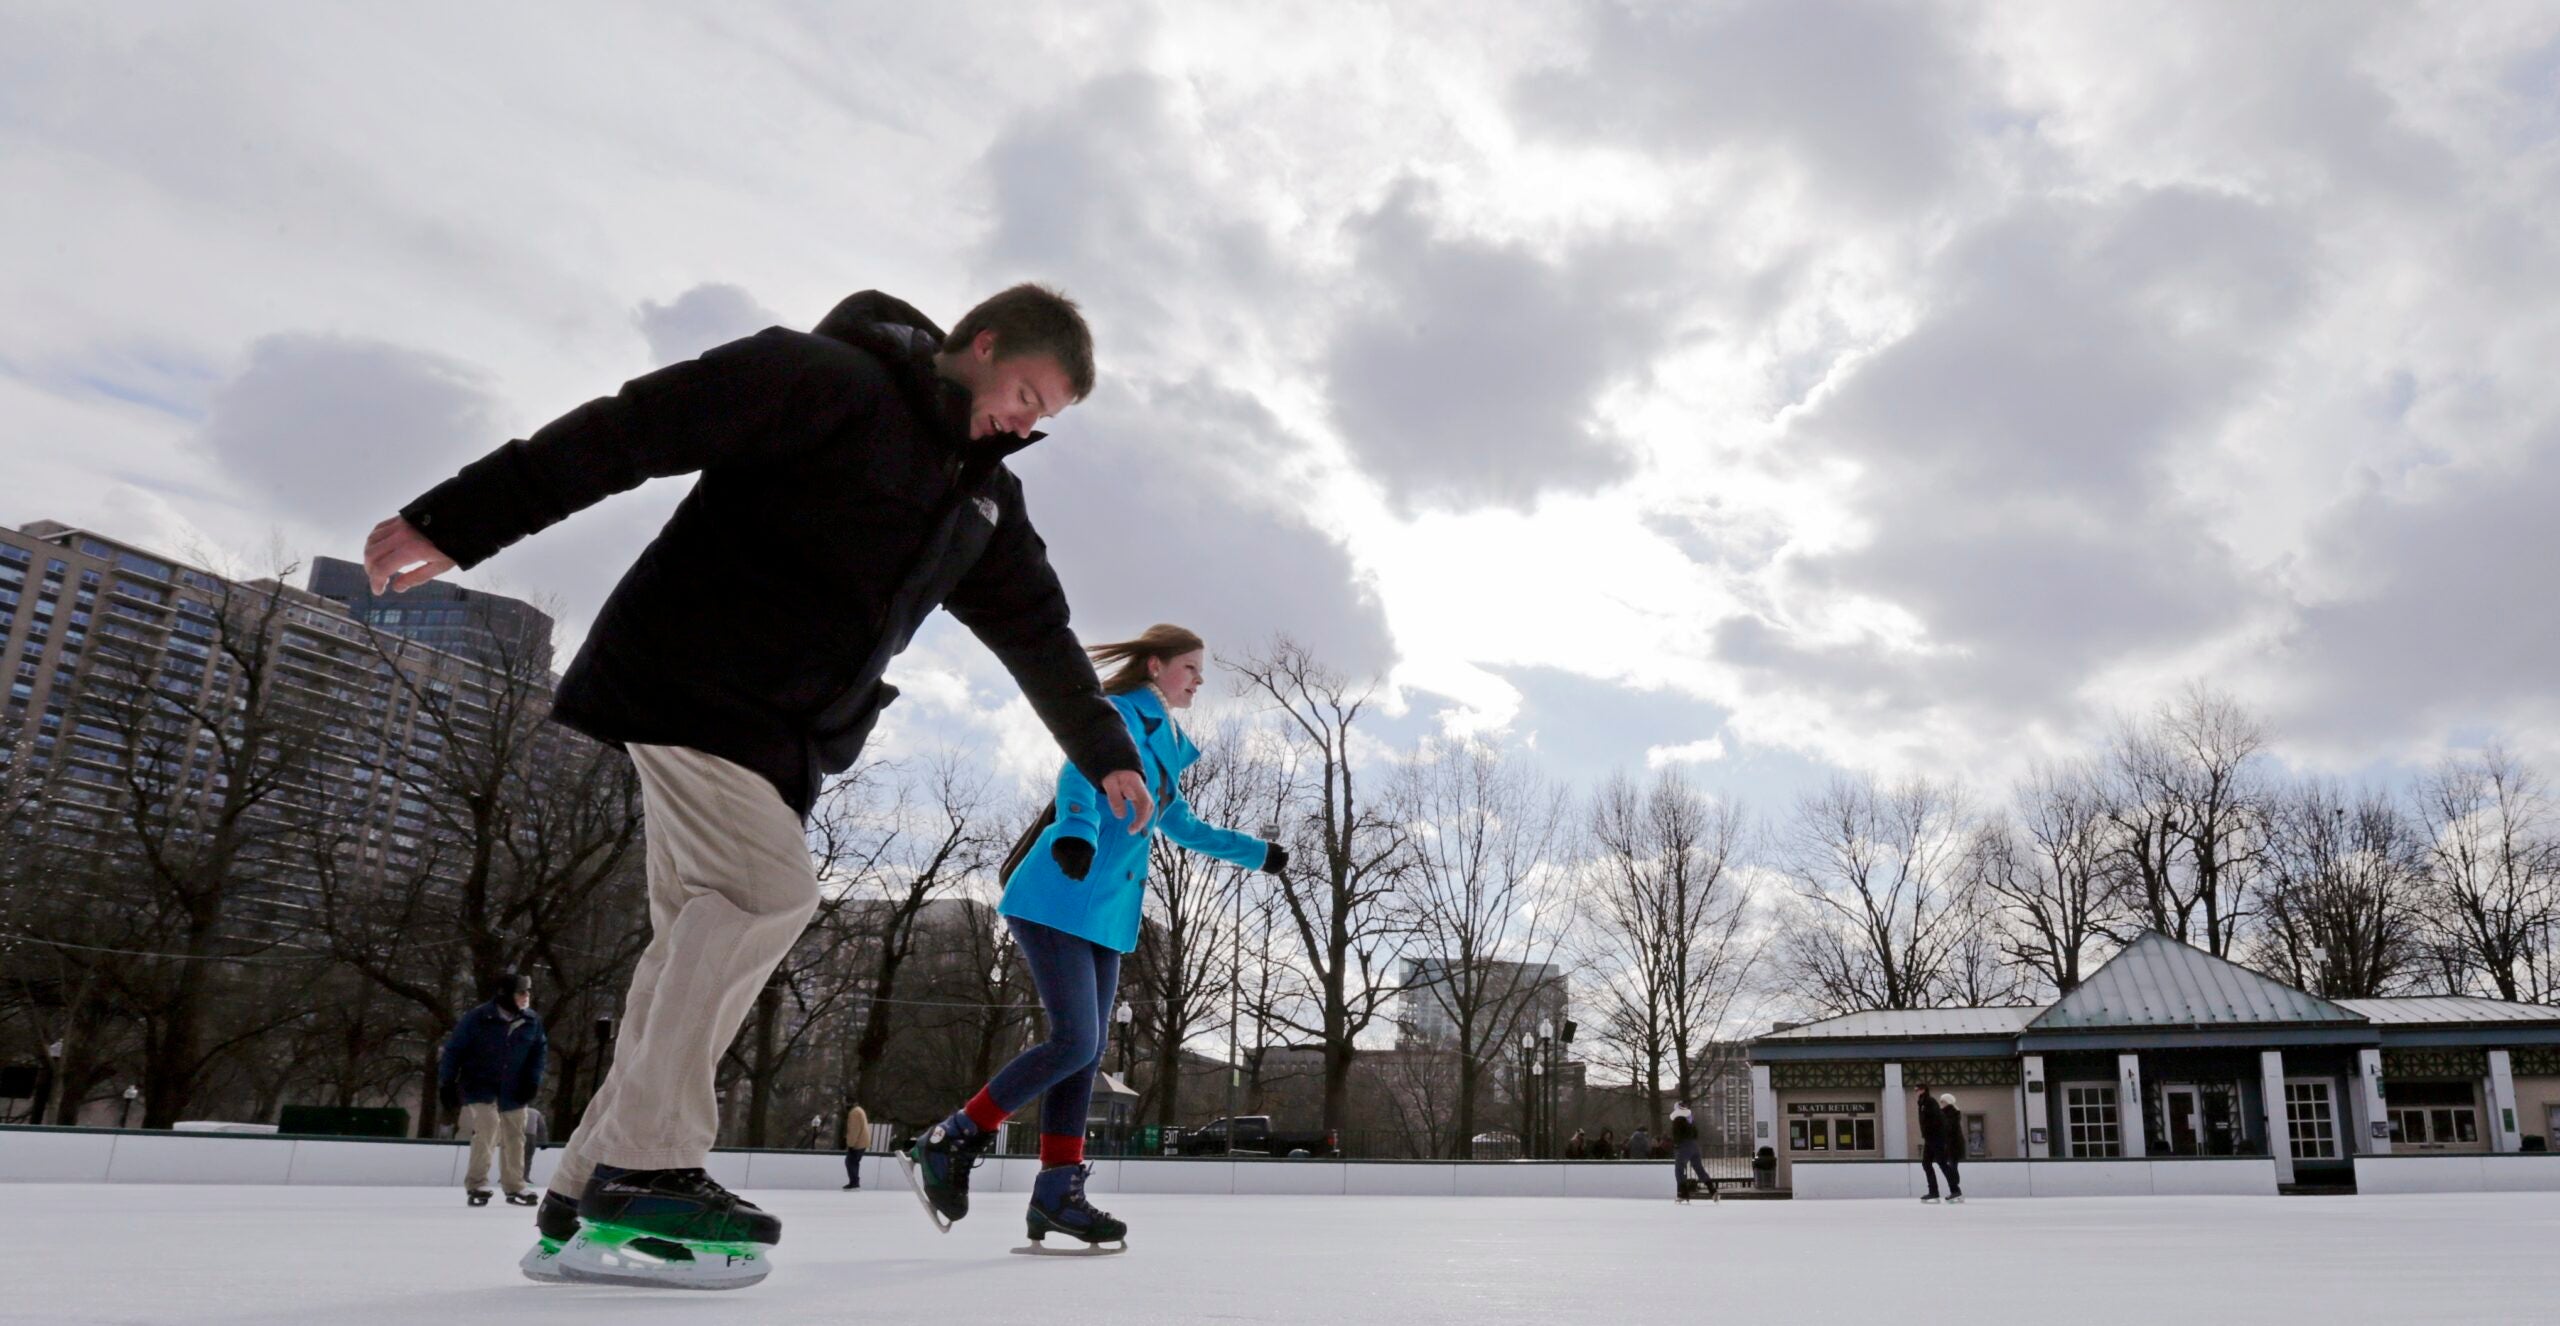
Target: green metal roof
2449, 1011
2158, 982
1897, 1023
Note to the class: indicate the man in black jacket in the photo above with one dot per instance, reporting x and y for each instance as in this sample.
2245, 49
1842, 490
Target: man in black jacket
851, 480
1941, 1131
490, 1070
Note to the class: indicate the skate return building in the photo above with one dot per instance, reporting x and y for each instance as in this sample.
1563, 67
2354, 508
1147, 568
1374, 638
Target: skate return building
2170, 1070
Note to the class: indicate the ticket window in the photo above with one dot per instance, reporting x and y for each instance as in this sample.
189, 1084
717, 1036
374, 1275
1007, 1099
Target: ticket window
1826, 1135
2432, 1116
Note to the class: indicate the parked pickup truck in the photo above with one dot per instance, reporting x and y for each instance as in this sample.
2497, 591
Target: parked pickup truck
1253, 1136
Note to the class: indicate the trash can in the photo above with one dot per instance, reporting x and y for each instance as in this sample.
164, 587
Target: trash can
1764, 1168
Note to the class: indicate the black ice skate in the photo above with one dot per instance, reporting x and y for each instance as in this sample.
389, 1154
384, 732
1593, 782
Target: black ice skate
938, 1166
556, 1220
1058, 1206
673, 1228
478, 1196
523, 1197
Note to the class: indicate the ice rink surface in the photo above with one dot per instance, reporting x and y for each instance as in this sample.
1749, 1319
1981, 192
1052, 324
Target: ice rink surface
419, 1257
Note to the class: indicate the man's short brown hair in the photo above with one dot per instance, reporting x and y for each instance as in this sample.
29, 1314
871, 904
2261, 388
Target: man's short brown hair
1032, 319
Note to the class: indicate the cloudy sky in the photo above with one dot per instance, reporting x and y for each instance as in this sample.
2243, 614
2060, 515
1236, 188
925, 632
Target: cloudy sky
1768, 387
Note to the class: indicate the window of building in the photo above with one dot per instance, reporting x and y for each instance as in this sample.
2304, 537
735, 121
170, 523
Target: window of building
1821, 1128
2090, 1125
2310, 1119
2431, 1114
15, 555
142, 566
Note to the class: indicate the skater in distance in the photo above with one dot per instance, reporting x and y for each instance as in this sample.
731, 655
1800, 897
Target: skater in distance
850, 480
488, 1074
1071, 897
1941, 1141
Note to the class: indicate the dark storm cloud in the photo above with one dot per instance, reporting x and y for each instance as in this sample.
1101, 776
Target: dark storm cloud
2448, 623
707, 315
2019, 449
1469, 372
340, 430
1172, 503
1103, 195
1871, 102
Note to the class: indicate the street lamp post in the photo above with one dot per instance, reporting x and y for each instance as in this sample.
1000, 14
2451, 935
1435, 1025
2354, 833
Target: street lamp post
1128, 1018
1547, 1081
1557, 1049
1530, 1133
125, 1119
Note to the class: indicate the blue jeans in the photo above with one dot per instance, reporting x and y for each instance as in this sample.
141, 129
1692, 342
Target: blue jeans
1686, 1158
1078, 981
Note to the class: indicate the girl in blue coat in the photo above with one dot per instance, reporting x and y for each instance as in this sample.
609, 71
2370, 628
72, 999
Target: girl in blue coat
1073, 904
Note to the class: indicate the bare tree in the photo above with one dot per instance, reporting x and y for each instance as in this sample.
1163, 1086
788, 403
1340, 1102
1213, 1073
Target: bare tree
2222, 804
2047, 870
1483, 905
1667, 920
2339, 910
887, 862
1183, 975
2492, 871
215, 763
2146, 848
494, 841
1878, 873
1339, 895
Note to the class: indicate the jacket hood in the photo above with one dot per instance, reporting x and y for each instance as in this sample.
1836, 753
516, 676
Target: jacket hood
901, 336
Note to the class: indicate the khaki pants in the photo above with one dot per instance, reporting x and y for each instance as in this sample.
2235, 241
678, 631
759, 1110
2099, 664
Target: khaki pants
504, 1129
730, 889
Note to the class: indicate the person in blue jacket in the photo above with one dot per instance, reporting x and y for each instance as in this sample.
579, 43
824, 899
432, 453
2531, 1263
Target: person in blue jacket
1072, 898
491, 1068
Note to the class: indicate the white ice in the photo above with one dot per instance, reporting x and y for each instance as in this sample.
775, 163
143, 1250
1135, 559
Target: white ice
403, 1256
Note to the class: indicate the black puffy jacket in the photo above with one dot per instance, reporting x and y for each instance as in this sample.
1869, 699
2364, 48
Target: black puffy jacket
495, 1054
840, 500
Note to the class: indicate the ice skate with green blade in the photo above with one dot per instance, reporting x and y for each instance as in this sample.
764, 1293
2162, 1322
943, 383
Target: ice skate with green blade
667, 1228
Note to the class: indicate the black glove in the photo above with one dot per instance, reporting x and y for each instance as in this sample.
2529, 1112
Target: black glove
1275, 860
1075, 856
449, 1094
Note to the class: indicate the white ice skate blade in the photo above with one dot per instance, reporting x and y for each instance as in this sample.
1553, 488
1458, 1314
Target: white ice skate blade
587, 1262
542, 1264
915, 1182
1088, 1250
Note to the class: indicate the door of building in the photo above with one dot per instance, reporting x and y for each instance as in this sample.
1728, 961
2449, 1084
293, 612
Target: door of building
2179, 1106
2312, 1118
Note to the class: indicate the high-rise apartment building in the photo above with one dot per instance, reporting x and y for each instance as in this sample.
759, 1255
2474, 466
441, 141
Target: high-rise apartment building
470, 623
139, 686
1517, 993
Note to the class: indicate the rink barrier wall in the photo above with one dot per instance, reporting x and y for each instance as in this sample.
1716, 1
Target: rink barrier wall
109, 1155
2495, 1172
2168, 1176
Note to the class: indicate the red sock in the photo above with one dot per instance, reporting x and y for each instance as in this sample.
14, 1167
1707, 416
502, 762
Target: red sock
983, 1110
1057, 1149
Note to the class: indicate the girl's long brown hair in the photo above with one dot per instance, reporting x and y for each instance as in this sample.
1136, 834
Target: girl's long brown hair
1161, 640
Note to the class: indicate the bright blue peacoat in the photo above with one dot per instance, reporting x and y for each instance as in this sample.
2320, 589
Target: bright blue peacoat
1103, 906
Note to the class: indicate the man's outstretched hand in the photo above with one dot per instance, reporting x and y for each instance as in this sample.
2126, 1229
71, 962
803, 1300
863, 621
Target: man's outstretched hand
1128, 793
398, 557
